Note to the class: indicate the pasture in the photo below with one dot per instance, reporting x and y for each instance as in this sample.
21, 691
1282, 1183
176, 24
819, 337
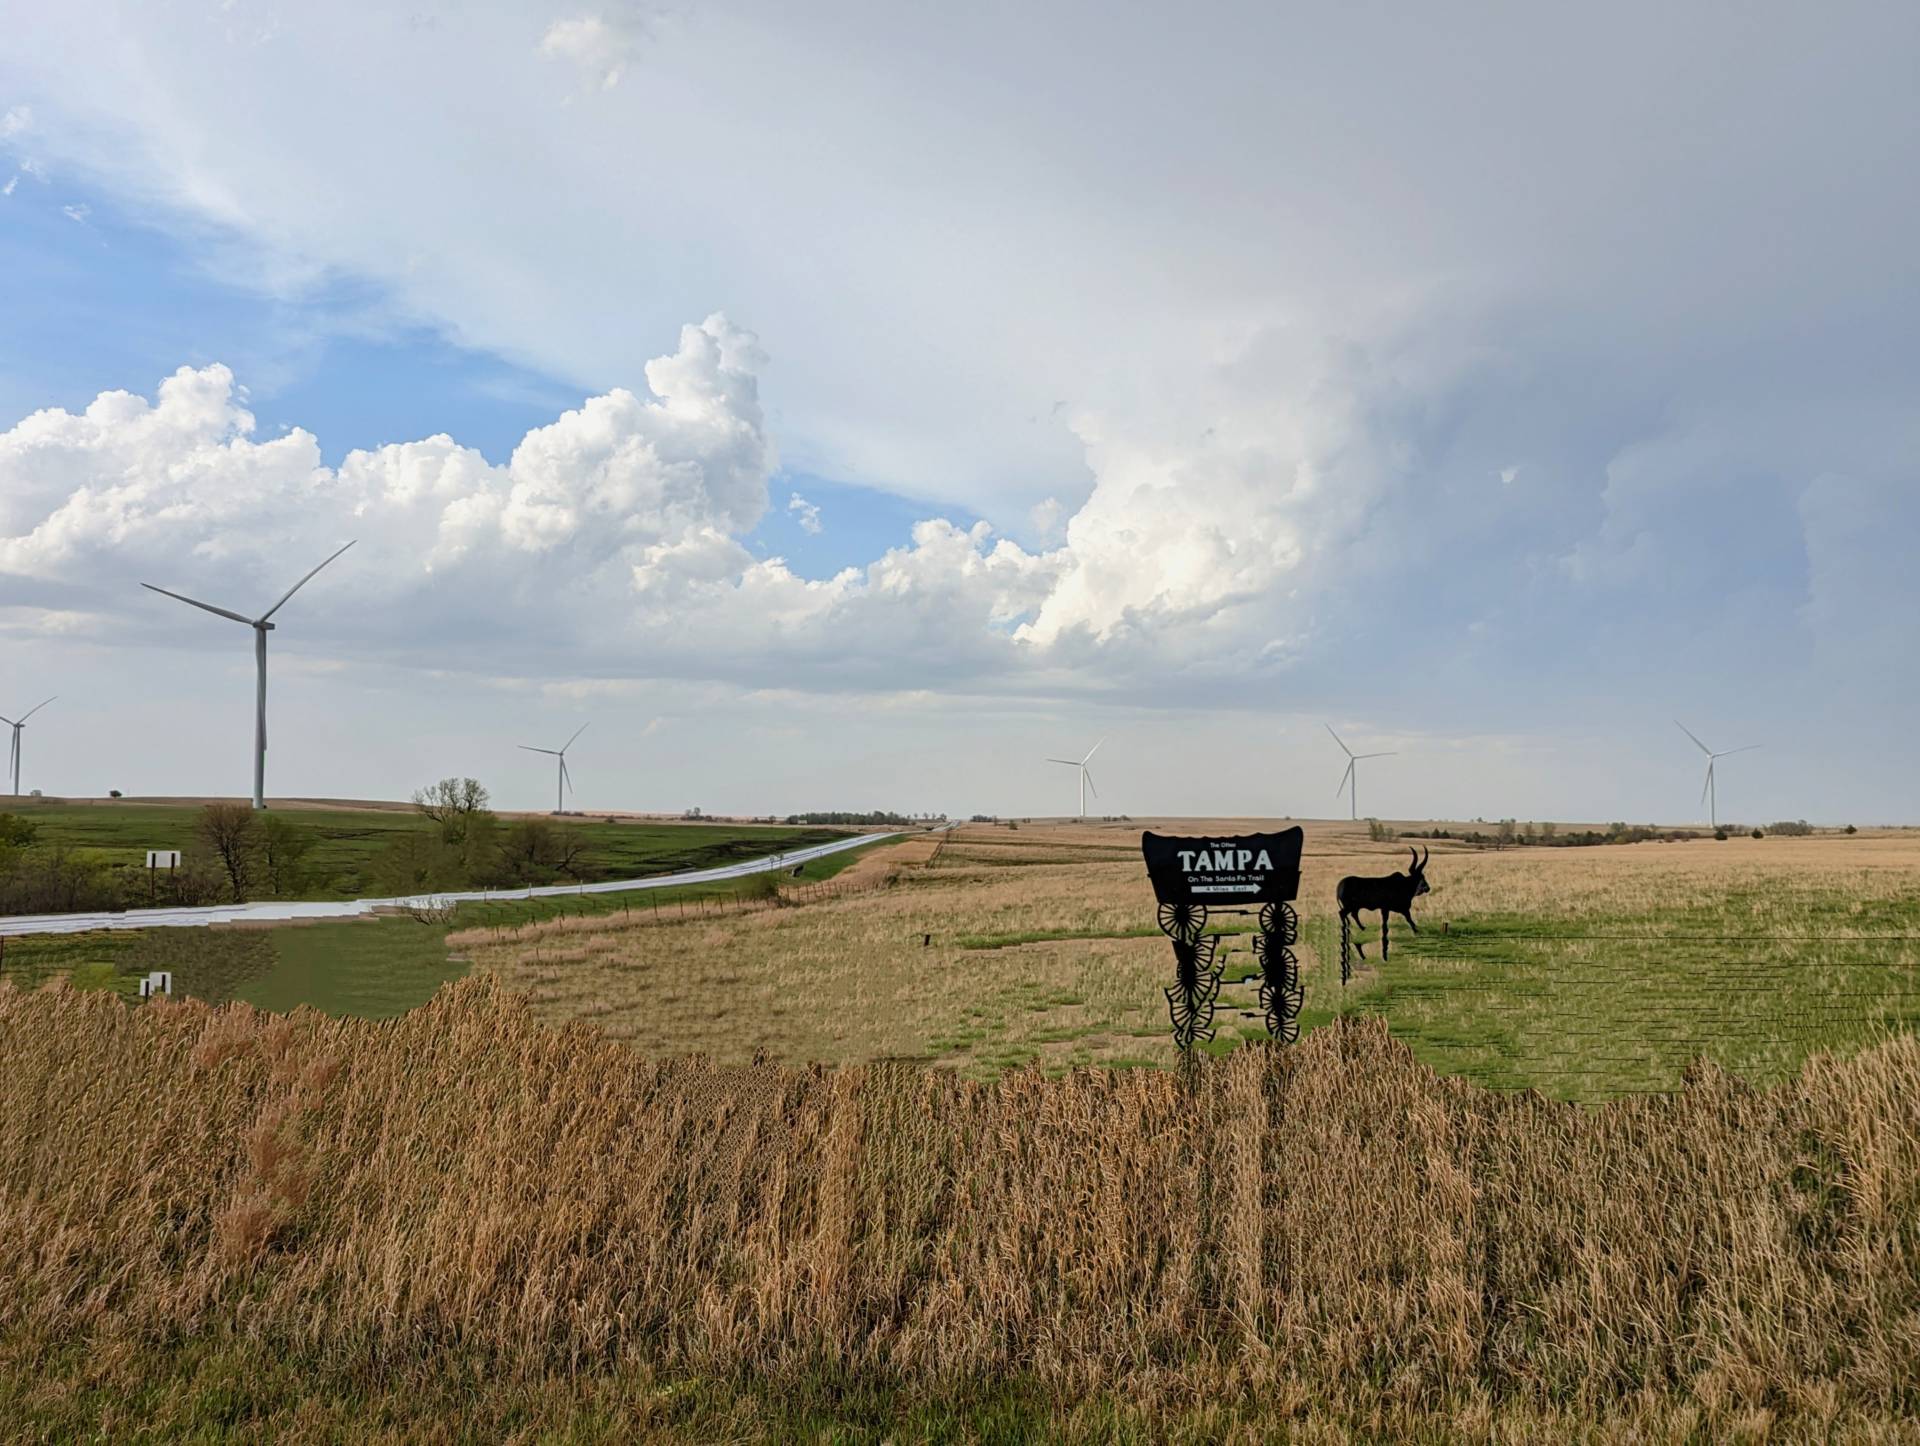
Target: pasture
1585, 973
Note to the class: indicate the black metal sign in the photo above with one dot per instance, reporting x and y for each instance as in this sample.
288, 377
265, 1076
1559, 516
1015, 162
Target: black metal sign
1254, 868
1243, 873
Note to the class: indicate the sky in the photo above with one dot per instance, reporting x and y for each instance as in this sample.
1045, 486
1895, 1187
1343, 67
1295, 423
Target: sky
855, 405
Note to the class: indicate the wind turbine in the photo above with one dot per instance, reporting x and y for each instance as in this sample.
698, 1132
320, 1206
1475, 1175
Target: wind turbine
1352, 775
261, 626
1086, 778
565, 780
13, 756
1708, 794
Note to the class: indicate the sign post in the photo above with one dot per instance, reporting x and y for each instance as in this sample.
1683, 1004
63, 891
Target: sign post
156, 858
1255, 873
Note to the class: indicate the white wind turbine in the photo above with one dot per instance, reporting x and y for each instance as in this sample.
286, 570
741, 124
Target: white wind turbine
1352, 775
1086, 777
1708, 794
565, 779
13, 755
261, 626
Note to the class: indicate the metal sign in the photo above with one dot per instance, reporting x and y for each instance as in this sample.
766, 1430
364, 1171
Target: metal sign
1244, 873
1255, 868
158, 982
163, 858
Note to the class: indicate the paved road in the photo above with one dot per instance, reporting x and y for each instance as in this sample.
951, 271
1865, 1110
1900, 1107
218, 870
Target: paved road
277, 912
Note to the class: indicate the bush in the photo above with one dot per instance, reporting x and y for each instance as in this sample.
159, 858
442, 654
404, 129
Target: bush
92, 976
762, 888
1852, 829
1791, 828
1759, 833
1721, 834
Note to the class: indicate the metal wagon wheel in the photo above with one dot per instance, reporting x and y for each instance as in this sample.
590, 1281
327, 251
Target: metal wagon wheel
1280, 919
1183, 921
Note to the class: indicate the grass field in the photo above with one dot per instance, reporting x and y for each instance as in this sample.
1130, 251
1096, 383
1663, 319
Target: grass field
348, 840
464, 1224
1583, 972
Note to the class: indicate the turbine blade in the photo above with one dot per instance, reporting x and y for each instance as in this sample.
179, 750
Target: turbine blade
565, 776
1343, 779
1696, 742
195, 602
1706, 784
1091, 751
7, 721
1090, 788
531, 749
1337, 739
298, 585
1388, 754
576, 733
38, 706
1731, 751
1070, 762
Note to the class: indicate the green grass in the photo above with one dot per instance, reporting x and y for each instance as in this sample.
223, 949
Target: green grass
1519, 1001
220, 1387
347, 841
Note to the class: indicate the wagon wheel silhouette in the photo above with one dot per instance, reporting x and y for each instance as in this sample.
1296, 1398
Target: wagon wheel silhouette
1183, 921
1281, 992
1280, 919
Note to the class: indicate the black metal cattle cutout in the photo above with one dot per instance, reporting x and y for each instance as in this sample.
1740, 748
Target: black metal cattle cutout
1239, 875
1393, 894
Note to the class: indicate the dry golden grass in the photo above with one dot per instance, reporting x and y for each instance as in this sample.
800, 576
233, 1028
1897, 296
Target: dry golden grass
1078, 970
1331, 1233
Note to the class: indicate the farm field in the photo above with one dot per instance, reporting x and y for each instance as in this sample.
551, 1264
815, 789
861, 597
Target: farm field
1585, 973
348, 841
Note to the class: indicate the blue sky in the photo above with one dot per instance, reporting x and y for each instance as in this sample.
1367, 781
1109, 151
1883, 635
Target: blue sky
844, 394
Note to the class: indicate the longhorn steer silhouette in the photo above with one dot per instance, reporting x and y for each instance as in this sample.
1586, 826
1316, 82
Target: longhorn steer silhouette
1393, 894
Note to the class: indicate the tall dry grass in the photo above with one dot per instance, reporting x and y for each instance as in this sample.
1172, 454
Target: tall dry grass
1333, 1224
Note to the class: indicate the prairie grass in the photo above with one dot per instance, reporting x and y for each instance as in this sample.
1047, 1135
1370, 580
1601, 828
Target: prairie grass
464, 1221
1003, 947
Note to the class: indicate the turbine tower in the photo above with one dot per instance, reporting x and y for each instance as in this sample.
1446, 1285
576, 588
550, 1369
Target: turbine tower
1352, 775
261, 626
565, 780
1086, 778
13, 755
1708, 794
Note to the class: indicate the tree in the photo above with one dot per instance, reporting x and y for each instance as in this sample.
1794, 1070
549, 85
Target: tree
231, 832
283, 846
533, 851
454, 804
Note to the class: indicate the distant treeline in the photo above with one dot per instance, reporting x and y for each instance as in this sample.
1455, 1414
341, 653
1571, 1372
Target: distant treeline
878, 815
1510, 834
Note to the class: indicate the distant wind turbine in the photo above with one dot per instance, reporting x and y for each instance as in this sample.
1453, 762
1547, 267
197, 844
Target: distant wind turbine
1086, 777
13, 756
261, 626
1708, 794
565, 780
1352, 775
